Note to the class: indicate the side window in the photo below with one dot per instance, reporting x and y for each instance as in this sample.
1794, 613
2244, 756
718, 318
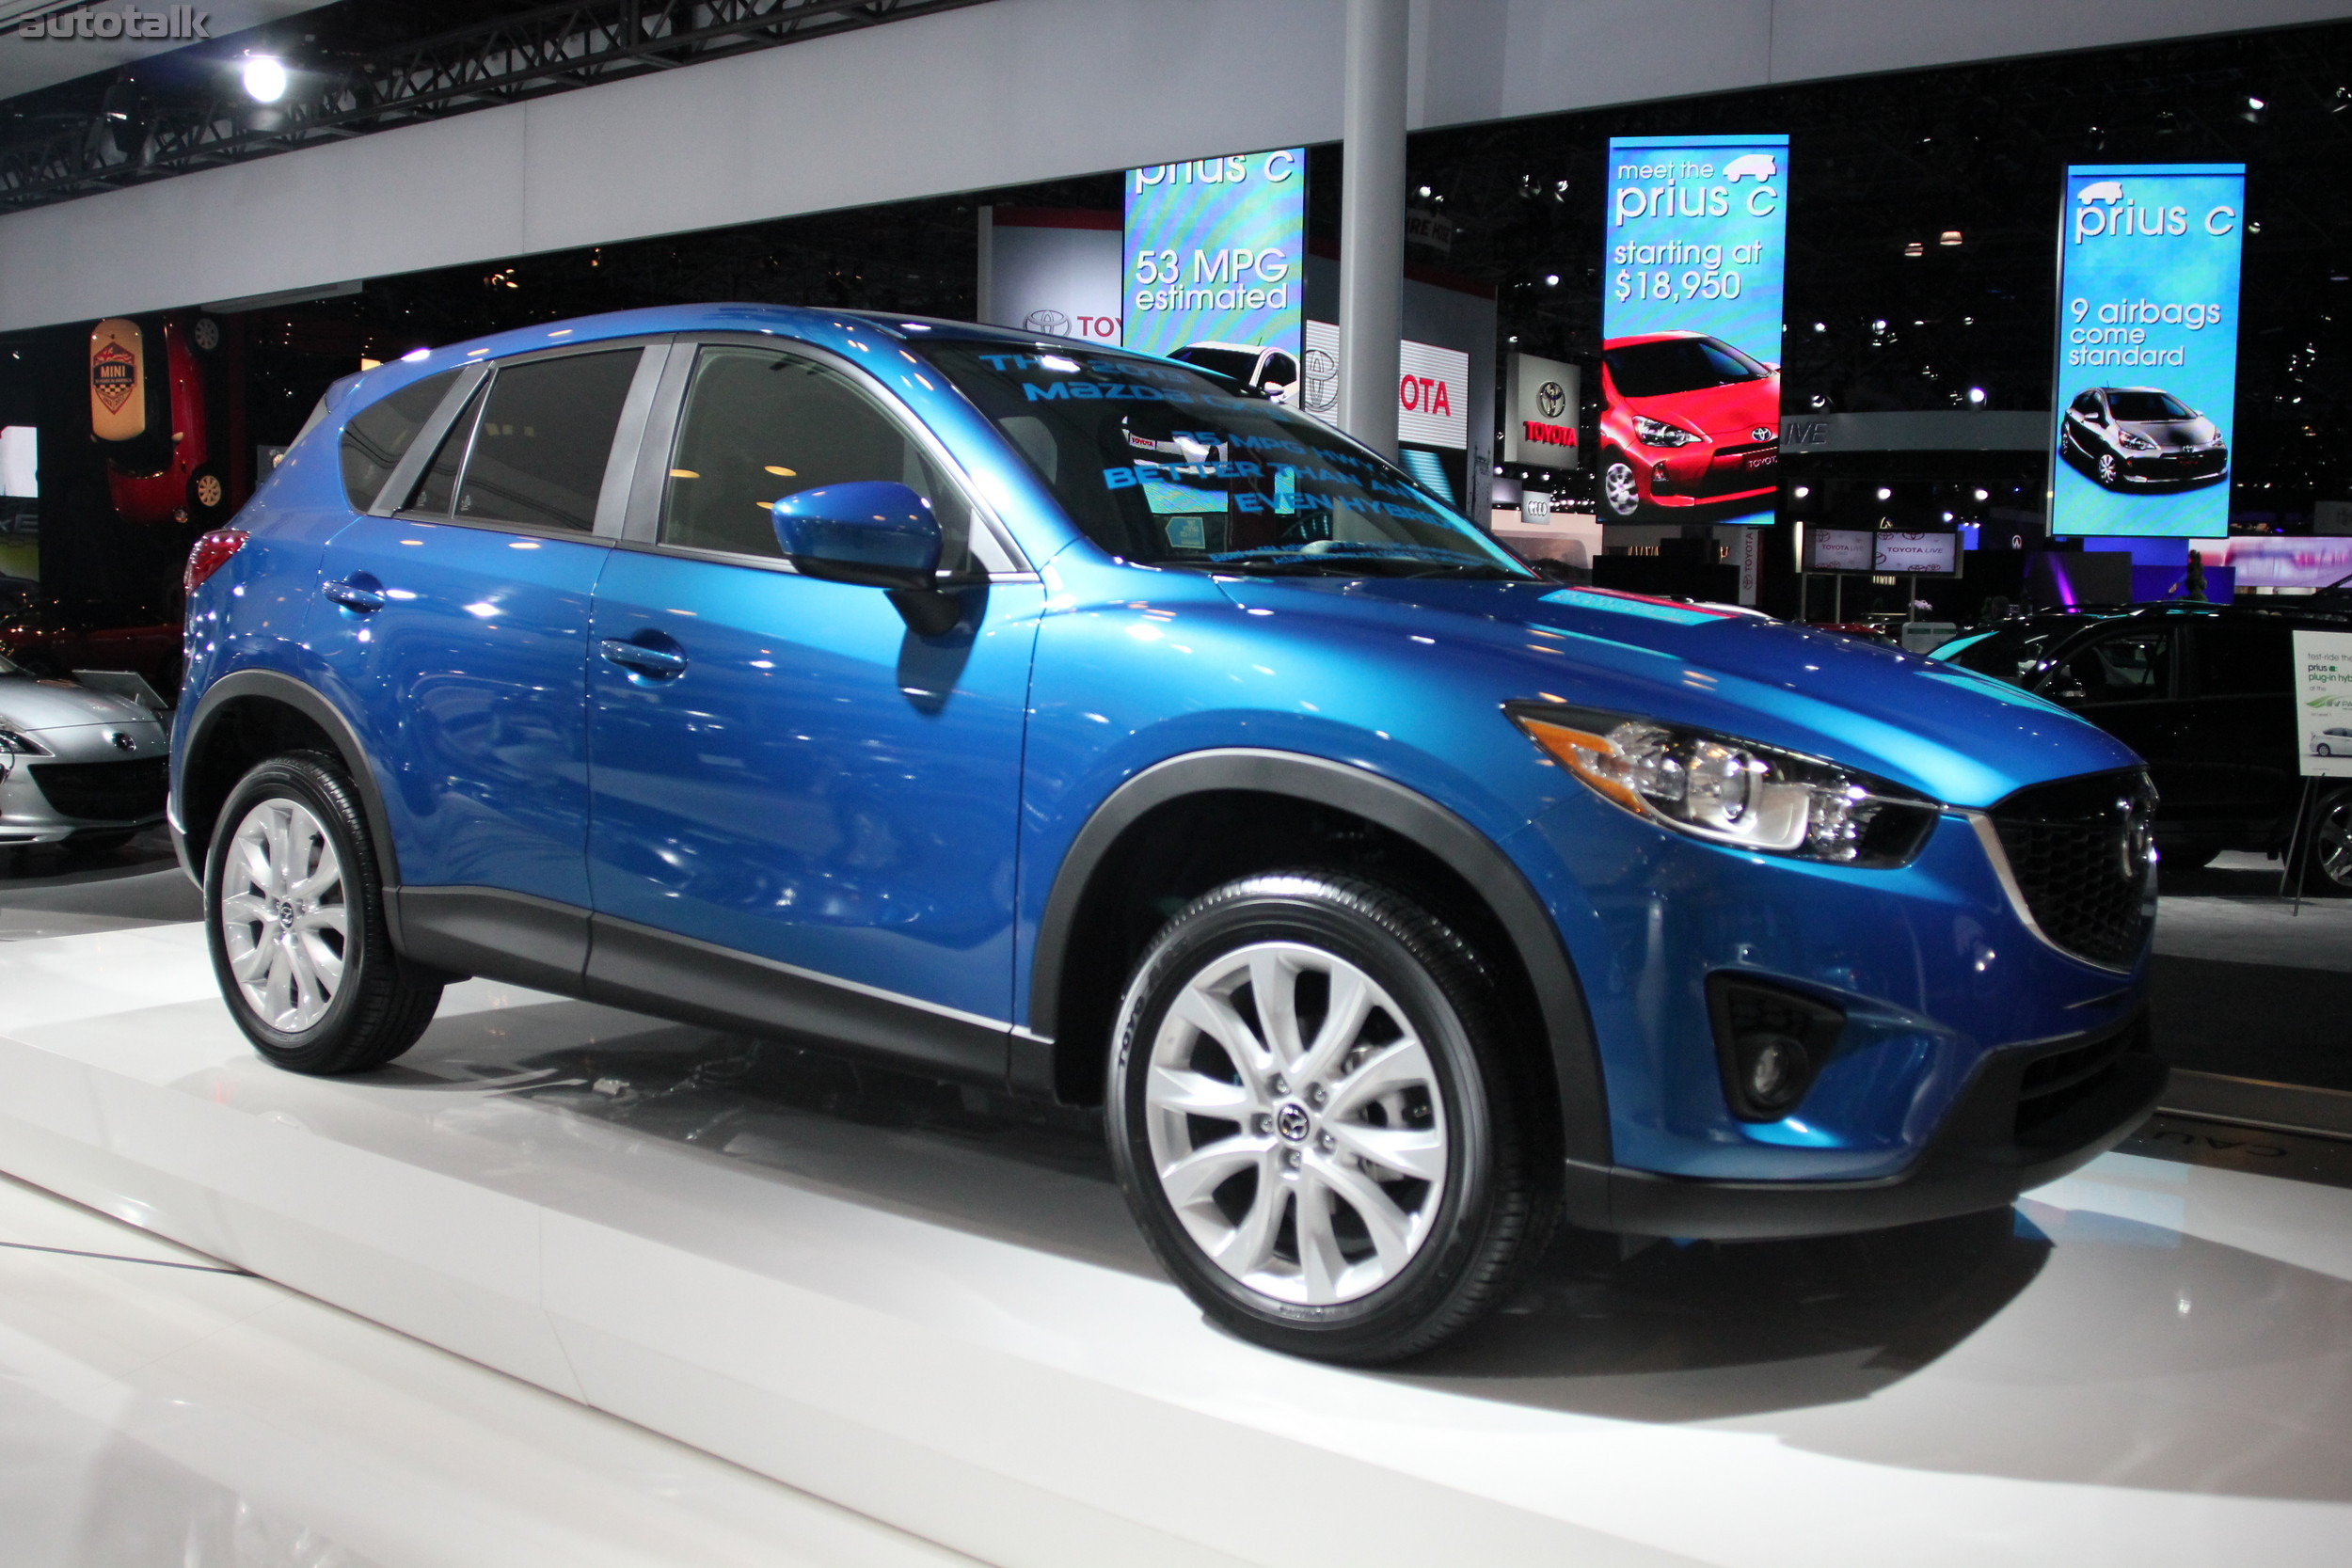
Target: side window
433, 491
2086, 405
542, 442
758, 426
378, 436
2134, 667
2234, 659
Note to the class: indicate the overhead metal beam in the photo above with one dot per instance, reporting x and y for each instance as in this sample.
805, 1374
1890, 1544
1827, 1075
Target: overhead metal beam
186, 121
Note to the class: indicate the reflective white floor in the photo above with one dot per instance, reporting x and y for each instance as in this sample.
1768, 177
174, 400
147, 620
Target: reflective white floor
158, 1410
928, 1307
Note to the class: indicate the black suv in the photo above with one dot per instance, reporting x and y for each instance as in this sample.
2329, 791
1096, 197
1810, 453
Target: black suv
2206, 694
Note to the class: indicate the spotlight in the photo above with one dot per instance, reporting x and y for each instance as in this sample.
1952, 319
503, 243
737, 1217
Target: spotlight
1885, 493
264, 78
1984, 495
1551, 280
1976, 395
1800, 492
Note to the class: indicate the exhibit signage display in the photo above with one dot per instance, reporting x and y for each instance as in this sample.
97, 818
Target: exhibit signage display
1695, 249
118, 380
1839, 549
1216, 253
2146, 385
2323, 700
1540, 413
1919, 554
1432, 387
1051, 271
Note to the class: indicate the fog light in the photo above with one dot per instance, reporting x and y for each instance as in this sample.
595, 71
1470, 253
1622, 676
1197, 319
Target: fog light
1771, 1041
1775, 1068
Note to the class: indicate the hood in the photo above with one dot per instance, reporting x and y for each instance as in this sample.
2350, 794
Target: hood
1729, 413
2173, 433
1960, 738
30, 704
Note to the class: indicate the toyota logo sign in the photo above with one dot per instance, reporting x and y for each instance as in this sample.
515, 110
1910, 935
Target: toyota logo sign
1551, 399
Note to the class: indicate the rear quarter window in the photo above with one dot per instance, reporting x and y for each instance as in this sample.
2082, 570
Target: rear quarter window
379, 436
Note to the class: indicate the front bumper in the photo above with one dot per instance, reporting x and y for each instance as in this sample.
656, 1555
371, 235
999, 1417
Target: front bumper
2029, 1115
2174, 468
28, 815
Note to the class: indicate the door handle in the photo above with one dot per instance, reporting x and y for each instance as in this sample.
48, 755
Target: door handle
357, 596
657, 662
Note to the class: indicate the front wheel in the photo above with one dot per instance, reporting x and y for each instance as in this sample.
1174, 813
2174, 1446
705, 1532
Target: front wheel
1317, 1119
1620, 488
2326, 871
2110, 470
293, 908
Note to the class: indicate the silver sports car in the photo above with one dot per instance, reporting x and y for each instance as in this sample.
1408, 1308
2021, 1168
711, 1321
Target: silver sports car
2127, 436
75, 764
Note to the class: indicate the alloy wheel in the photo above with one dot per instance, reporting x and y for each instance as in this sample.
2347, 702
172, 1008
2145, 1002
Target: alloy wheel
2332, 842
2108, 467
1295, 1123
1618, 487
283, 917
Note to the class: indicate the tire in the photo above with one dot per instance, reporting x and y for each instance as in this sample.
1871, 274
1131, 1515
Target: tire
2323, 868
272, 918
1620, 487
2111, 471
1427, 1077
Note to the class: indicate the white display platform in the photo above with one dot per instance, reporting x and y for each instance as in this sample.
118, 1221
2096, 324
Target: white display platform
949, 1327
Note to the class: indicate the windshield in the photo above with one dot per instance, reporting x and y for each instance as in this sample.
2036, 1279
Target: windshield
1673, 365
1167, 466
2008, 653
2147, 406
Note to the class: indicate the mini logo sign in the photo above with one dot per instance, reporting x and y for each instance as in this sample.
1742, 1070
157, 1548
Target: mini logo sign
184, 22
114, 375
1551, 399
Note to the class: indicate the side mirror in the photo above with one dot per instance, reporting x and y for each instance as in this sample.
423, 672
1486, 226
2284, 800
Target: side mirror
871, 533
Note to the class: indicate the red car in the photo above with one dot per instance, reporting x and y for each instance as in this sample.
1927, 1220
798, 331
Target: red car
147, 414
1685, 420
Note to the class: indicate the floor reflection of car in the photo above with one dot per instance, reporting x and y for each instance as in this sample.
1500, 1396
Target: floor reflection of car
1686, 421
2130, 437
2334, 742
2206, 694
1269, 370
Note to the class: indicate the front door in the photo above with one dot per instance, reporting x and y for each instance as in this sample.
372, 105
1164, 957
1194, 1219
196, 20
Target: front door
782, 768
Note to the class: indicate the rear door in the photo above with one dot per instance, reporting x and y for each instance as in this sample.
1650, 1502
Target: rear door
456, 634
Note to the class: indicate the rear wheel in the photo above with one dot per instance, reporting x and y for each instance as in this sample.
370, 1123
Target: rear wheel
294, 912
1315, 1116
2326, 871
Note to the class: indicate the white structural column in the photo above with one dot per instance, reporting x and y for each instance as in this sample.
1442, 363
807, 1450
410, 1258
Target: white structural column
1371, 221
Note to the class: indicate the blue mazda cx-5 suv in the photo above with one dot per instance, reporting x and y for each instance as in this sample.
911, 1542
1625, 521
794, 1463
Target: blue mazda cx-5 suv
1084, 725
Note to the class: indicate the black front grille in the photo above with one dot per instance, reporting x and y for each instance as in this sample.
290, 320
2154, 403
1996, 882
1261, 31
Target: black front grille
2079, 852
104, 791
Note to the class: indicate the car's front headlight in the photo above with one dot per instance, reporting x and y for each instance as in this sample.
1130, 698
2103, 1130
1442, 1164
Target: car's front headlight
2132, 441
1733, 792
1658, 433
16, 743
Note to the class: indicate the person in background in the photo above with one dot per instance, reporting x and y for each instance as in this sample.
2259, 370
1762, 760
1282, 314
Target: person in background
2194, 588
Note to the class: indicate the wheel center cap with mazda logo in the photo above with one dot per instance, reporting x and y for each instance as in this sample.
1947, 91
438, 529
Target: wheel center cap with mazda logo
1291, 1121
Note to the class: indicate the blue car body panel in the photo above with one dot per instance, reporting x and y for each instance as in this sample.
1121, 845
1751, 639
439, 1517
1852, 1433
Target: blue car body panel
822, 788
817, 787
